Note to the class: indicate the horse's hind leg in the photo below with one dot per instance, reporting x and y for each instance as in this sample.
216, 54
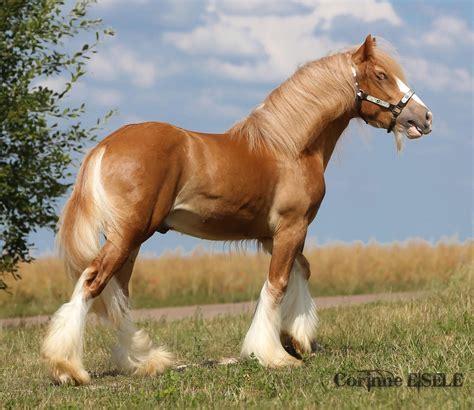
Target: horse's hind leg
63, 344
62, 347
135, 352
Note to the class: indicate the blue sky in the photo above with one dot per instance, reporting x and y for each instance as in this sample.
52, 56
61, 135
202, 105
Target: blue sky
204, 64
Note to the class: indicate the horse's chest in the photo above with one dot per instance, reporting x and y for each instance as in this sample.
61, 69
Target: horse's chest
299, 195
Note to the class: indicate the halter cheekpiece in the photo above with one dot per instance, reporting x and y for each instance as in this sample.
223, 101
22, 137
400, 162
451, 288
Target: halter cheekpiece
395, 109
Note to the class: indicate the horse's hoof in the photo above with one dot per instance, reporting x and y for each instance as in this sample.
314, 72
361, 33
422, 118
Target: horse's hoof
289, 361
295, 348
156, 361
67, 372
282, 359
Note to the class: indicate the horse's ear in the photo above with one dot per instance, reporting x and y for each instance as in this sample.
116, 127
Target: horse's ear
365, 51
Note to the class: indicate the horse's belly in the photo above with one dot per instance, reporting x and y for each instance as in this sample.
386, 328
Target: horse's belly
214, 227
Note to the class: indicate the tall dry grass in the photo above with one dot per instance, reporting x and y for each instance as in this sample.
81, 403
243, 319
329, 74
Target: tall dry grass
202, 277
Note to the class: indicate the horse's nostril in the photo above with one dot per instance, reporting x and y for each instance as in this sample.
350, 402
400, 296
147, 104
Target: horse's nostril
429, 116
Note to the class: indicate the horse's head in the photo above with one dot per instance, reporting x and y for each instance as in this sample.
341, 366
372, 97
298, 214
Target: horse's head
383, 98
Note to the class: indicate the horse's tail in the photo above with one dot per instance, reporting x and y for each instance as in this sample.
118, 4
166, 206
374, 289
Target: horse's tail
86, 215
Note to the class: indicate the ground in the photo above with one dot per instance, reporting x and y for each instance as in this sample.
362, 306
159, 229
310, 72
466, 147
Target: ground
430, 334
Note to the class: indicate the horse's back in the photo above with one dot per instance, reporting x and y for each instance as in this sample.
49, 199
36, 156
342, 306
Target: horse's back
153, 169
154, 137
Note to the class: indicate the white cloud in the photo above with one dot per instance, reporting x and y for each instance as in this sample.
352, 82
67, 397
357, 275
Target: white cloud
275, 43
211, 100
57, 84
446, 31
252, 7
217, 39
107, 97
439, 77
113, 3
119, 62
101, 67
91, 94
365, 10
80, 91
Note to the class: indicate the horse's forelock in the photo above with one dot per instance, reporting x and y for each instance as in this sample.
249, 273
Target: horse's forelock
390, 63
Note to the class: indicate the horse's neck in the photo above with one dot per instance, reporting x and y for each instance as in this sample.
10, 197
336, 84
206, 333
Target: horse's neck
335, 106
323, 144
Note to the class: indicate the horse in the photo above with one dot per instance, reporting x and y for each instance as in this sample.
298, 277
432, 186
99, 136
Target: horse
262, 180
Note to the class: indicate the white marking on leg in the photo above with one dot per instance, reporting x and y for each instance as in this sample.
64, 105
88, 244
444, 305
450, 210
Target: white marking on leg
298, 310
63, 345
404, 89
135, 352
263, 337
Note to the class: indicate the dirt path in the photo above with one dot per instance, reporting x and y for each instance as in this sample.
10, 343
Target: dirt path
211, 311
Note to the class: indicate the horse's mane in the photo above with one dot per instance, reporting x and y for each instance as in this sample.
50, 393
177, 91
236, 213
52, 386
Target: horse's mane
319, 91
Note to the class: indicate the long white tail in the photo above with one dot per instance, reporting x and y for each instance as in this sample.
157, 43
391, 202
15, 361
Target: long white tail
88, 213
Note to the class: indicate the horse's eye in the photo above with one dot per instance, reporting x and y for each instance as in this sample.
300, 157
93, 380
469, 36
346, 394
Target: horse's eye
381, 75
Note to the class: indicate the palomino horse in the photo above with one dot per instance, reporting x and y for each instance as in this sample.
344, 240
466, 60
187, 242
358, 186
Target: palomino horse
263, 179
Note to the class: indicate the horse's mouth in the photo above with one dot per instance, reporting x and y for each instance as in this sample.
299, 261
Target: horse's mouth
414, 131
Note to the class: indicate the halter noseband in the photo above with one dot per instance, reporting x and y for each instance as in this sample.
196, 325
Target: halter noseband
395, 109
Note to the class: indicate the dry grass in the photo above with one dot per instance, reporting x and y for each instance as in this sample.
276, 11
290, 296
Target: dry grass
203, 277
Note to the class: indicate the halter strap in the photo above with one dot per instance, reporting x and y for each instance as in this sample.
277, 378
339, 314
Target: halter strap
396, 109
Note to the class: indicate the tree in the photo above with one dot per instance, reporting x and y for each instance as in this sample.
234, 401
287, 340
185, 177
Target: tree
39, 132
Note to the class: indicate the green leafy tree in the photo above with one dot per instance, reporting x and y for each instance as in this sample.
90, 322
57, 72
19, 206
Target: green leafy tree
39, 132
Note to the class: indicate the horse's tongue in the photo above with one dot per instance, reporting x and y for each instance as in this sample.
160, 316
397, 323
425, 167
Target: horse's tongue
413, 132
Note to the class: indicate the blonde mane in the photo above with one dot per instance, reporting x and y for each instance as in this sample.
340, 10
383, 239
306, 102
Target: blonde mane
294, 114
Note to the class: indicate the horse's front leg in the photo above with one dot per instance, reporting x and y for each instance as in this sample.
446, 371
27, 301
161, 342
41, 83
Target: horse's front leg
298, 310
263, 337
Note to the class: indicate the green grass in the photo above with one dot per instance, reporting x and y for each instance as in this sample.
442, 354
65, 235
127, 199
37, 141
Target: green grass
433, 334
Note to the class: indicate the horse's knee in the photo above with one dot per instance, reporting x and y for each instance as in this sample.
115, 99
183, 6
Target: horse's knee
278, 287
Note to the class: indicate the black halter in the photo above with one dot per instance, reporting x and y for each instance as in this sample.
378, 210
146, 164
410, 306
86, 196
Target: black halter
395, 109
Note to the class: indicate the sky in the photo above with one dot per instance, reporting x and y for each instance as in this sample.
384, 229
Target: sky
204, 64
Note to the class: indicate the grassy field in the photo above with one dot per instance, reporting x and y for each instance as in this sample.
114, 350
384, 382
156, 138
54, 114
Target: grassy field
176, 279
432, 334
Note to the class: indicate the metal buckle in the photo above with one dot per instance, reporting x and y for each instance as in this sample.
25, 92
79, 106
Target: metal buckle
407, 97
378, 101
